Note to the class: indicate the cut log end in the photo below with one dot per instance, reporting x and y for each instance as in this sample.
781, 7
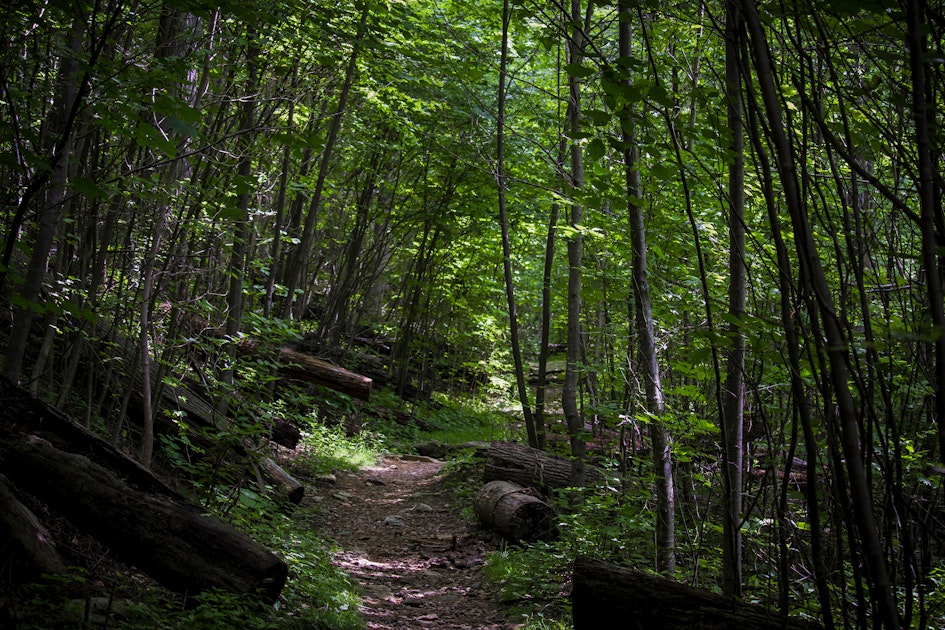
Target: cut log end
513, 512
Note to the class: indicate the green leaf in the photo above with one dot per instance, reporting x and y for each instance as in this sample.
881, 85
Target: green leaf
579, 71
88, 188
596, 116
595, 150
182, 128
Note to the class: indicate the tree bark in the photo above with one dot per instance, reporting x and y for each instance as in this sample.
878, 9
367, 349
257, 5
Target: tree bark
48, 216
294, 275
733, 394
513, 512
610, 597
648, 364
930, 210
569, 393
290, 487
125, 507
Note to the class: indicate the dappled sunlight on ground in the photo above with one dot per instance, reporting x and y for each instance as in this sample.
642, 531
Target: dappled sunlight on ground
418, 564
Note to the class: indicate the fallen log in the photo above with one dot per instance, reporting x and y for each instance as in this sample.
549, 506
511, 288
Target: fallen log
532, 468
305, 367
513, 512
606, 596
290, 487
34, 552
284, 433
125, 507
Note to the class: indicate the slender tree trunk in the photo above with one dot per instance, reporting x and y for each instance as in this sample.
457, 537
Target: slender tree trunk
506, 245
569, 394
48, 223
279, 221
174, 31
648, 366
930, 213
545, 340
734, 390
804, 415
836, 345
308, 229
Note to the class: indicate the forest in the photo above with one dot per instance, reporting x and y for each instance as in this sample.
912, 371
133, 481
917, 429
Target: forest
694, 249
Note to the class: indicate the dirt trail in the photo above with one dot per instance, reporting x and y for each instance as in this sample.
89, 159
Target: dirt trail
418, 563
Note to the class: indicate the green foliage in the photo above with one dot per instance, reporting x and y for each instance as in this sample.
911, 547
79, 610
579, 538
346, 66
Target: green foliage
459, 420
325, 449
604, 523
462, 473
532, 578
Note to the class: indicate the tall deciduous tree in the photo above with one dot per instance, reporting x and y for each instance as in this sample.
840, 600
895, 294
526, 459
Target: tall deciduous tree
59, 141
733, 423
569, 393
504, 225
647, 359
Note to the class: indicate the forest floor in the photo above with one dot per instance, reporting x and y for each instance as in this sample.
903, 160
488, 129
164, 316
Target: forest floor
418, 562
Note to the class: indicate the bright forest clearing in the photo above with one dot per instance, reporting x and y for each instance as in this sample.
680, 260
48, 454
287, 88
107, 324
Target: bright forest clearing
696, 248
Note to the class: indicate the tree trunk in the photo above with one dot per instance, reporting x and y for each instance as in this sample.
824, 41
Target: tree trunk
541, 386
733, 395
513, 512
48, 215
139, 518
506, 245
569, 393
930, 210
290, 487
294, 275
610, 597
533, 468
648, 365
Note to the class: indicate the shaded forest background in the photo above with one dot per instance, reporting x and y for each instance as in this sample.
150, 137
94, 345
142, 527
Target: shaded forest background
721, 220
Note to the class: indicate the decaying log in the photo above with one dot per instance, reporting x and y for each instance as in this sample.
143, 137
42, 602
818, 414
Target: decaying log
611, 597
284, 433
532, 468
34, 552
513, 512
124, 506
288, 485
305, 367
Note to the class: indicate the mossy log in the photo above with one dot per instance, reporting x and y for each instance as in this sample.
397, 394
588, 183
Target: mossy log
606, 596
513, 512
140, 519
533, 468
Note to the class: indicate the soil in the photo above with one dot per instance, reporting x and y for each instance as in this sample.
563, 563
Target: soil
418, 563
